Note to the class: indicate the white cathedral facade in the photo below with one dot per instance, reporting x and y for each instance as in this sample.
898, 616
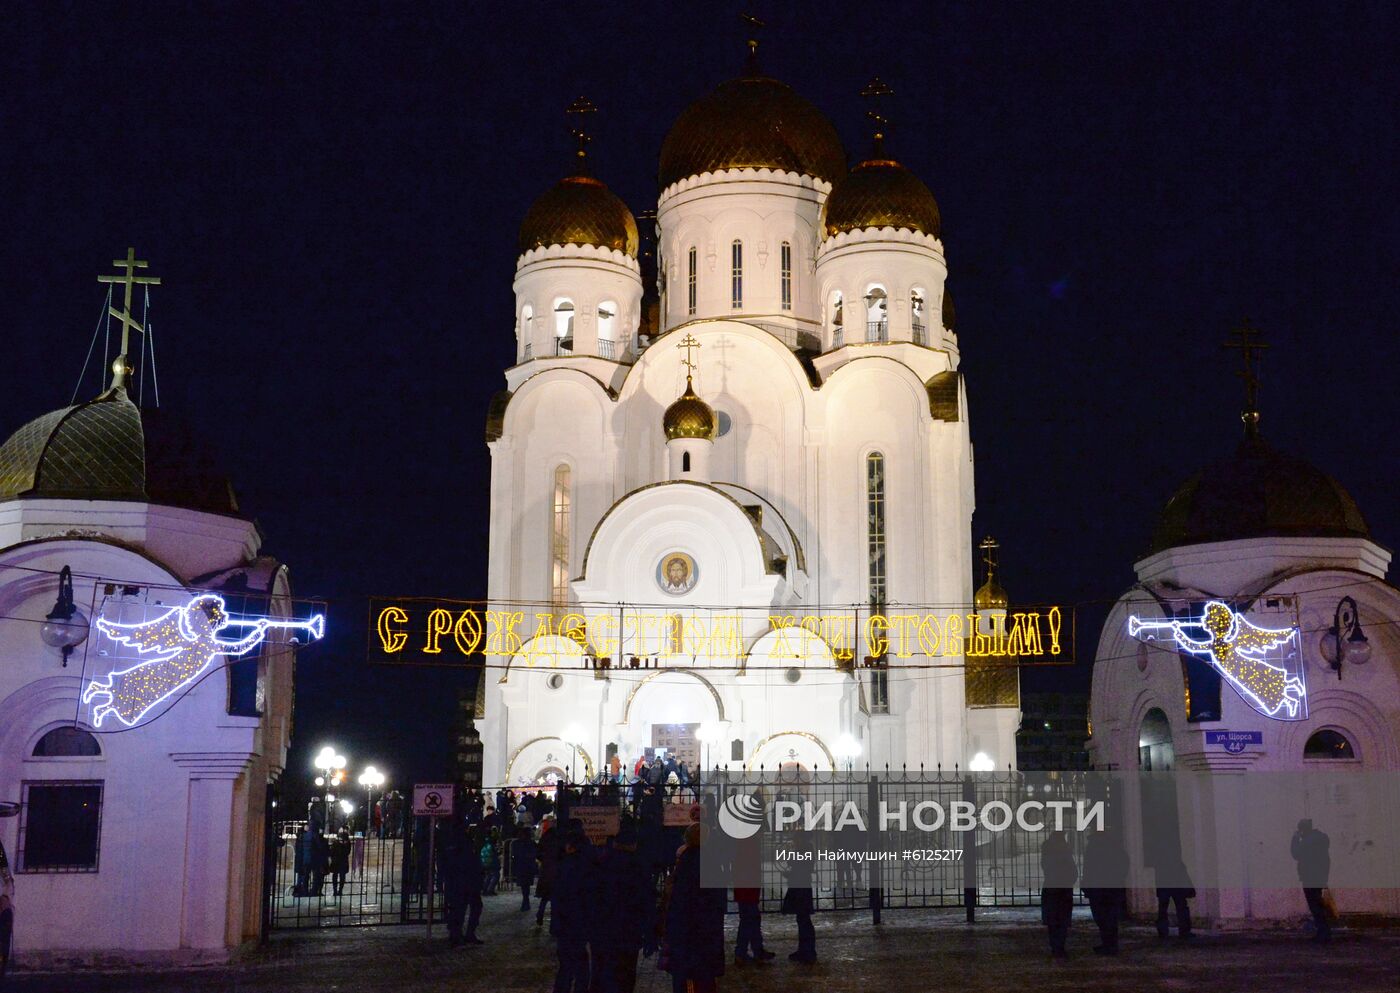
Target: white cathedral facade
782, 434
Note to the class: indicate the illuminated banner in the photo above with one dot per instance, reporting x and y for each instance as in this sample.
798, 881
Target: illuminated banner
1262, 664
166, 650
441, 632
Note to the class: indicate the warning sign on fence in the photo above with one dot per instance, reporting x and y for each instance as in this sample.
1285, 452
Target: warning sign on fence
599, 823
681, 814
432, 799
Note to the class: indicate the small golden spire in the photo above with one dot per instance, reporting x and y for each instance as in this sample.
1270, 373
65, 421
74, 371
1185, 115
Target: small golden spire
121, 366
1249, 340
578, 112
875, 93
990, 596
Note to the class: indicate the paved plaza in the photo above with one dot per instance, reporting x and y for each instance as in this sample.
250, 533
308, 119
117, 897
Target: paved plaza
911, 950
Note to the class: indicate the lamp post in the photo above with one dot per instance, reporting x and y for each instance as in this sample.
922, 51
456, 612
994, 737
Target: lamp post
371, 779
332, 766
847, 748
65, 627
1354, 647
710, 733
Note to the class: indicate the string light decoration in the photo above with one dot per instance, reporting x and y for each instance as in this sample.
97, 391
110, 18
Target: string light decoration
182, 643
1237, 649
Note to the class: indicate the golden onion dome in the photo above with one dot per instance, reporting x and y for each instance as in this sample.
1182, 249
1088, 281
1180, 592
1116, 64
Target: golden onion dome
580, 210
752, 123
881, 193
689, 417
990, 596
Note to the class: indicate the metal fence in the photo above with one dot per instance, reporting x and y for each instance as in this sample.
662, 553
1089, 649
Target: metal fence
387, 878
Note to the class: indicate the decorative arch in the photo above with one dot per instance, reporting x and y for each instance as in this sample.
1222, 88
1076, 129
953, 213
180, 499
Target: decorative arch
582, 752
758, 749
632, 694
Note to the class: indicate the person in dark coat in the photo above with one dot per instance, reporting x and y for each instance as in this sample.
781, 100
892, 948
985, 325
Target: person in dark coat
453, 855
475, 879
1106, 876
339, 860
1174, 887
630, 928
1311, 849
320, 861
548, 857
694, 921
798, 900
522, 863
1059, 874
748, 870
575, 907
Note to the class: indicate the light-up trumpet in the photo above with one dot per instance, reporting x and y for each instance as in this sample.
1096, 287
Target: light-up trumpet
315, 626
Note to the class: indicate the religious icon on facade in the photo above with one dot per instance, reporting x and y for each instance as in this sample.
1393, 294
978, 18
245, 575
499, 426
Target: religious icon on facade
677, 573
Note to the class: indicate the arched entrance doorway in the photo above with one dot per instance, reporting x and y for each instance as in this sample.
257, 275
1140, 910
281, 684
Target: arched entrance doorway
674, 713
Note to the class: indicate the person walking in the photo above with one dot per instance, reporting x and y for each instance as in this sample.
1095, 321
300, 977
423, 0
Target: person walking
694, 921
1105, 884
631, 931
1174, 887
1311, 849
1059, 874
574, 910
523, 852
475, 878
491, 862
547, 855
748, 870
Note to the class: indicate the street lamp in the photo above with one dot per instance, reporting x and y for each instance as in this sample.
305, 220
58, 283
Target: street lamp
981, 762
65, 627
332, 766
1354, 647
571, 736
371, 779
710, 734
847, 748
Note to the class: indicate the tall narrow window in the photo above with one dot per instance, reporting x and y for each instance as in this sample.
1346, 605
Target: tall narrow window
736, 274
559, 545
785, 270
875, 567
690, 277
685, 461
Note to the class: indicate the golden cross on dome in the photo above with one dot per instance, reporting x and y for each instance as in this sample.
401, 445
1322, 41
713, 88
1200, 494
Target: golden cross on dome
755, 27
1248, 339
578, 112
121, 368
688, 343
875, 93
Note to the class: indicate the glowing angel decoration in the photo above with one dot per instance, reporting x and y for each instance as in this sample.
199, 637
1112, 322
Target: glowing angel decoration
1236, 647
181, 643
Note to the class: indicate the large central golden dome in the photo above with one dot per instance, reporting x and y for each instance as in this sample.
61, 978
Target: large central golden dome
579, 210
752, 123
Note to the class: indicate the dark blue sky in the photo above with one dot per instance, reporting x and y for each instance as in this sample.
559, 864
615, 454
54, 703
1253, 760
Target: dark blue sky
331, 195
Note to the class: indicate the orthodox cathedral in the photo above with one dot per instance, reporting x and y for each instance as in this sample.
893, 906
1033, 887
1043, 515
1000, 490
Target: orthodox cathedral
779, 428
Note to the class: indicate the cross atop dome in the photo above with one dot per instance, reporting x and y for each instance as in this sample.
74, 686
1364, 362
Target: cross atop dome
578, 112
688, 343
875, 94
1248, 340
755, 27
121, 367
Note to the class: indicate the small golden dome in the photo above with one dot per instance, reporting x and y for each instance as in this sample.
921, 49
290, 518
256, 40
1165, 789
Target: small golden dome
752, 123
990, 596
881, 193
689, 417
580, 210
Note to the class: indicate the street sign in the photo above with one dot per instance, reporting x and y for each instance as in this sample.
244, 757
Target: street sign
1234, 742
432, 799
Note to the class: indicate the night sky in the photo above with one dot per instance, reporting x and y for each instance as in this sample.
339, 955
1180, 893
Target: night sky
331, 196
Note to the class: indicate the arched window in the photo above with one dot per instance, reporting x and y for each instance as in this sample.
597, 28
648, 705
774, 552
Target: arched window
838, 330
607, 329
916, 311
1155, 750
524, 331
685, 462
736, 274
66, 741
559, 543
785, 273
1328, 744
691, 275
876, 586
877, 314
564, 327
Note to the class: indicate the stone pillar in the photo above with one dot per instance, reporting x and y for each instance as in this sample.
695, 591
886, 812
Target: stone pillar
212, 904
